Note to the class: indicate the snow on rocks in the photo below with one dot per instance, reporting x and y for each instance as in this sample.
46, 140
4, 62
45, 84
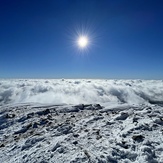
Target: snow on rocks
81, 133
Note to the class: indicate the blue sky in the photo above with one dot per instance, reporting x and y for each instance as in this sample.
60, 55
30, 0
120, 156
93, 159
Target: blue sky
38, 39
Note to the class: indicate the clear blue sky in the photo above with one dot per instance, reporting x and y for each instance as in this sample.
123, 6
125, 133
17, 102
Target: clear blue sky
37, 39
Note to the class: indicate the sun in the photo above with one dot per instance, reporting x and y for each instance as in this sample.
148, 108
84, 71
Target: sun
82, 41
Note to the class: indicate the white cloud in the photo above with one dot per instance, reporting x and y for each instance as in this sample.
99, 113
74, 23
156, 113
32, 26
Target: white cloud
80, 91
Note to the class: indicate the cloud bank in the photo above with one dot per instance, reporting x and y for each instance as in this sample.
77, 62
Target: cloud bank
71, 91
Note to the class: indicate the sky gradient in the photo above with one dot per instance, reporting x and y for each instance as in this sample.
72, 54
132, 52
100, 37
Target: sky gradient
38, 39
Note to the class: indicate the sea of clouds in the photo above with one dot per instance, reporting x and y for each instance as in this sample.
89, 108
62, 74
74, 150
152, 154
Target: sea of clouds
73, 91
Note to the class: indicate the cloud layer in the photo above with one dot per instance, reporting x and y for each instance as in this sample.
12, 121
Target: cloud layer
71, 91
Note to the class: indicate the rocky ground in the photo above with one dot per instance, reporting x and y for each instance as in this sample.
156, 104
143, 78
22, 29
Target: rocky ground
115, 133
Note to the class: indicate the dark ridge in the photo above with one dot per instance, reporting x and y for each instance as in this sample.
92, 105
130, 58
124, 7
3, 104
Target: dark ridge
156, 102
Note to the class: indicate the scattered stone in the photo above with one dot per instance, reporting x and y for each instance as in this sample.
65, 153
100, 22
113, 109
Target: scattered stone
98, 132
2, 145
86, 153
43, 121
98, 137
10, 115
159, 121
29, 125
81, 107
30, 115
123, 116
35, 125
88, 107
30, 143
60, 150
72, 116
24, 129
76, 135
114, 112
55, 147
109, 123
123, 144
138, 138
98, 118
95, 119
44, 112
161, 118
97, 107
64, 129
49, 117
49, 123
69, 110
75, 142
86, 130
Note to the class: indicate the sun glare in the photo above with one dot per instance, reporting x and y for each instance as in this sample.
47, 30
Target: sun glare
82, 41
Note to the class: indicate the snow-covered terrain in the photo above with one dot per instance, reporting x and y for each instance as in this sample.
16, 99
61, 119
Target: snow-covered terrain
101, 121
